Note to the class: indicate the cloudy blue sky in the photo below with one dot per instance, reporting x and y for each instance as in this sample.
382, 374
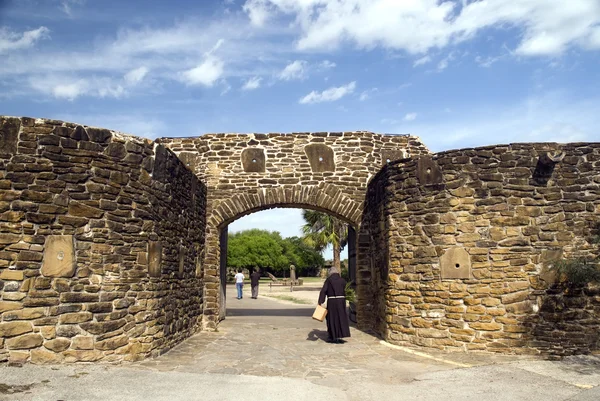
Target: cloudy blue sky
457, 73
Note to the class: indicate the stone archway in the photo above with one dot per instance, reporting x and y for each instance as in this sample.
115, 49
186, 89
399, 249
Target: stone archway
324, 197
245, 173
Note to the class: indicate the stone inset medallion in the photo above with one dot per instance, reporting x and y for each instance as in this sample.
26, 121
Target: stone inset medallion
389, 156
253, 160
428, 171
455, 263
9, 134
320, 157
154, 258
58, 259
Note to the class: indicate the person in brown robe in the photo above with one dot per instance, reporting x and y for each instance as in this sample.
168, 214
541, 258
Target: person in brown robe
337, 318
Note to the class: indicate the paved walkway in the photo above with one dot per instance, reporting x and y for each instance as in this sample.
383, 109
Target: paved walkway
269, 349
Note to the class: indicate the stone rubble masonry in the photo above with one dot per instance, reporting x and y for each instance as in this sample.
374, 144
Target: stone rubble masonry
110, 244
79, 207
487, 203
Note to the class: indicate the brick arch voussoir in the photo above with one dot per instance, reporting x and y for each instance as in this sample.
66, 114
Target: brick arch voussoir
325, 198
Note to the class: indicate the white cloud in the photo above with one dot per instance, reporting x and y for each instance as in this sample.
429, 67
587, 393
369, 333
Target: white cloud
548, 27
71, 88
226, 87
136, 75
410, 117
206, 73
252, 83
193, 51
66, 6
367, 94
329, 95
294, 70
299, 69
423, 60
326, 64
258, 11
488, 61
443, 64
70, 91
10, 41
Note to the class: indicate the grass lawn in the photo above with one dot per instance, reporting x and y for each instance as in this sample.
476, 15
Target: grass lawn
267, 280
313, 279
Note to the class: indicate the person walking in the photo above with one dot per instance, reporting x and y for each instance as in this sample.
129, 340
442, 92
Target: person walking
239, 284
334, 289
254, 278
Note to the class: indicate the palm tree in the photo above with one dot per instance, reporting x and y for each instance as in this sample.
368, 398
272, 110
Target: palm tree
321, 230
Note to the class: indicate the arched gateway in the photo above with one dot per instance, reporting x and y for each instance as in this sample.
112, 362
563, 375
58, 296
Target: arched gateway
111, 245
248, 173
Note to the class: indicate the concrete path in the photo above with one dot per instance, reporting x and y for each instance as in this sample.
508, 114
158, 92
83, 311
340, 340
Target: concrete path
269, 349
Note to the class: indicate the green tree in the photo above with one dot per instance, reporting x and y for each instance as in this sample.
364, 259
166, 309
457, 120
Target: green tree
255, 248
308, 262
321, 230
268, 251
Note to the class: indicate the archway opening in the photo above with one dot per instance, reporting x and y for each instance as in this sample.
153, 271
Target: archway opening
280, 244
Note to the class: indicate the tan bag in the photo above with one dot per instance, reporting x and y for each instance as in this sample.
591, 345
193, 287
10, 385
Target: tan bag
319, 313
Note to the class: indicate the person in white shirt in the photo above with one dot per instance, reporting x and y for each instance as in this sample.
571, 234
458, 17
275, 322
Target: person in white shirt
239, 284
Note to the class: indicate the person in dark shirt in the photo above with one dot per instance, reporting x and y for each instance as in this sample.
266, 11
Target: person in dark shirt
254, 278
334, 289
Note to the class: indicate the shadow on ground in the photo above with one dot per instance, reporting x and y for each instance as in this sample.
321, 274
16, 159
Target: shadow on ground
298, 312
316, 335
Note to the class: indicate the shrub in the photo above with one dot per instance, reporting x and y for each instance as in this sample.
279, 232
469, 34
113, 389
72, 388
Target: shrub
577, 272
350, 292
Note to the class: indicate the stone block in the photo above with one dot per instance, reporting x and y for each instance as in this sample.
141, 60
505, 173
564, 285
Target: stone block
6, 306
116, 149
42, 356
26, 341
455, 263
11, 329
17, 358
10, 275
59, 256
24, 314
58, 344
69, 331
72, 318
82, 343
48, 332
8, 239
485, 326
82, 356
79, 209
9, 135
103, 327
98, 134
112, 343
78, 297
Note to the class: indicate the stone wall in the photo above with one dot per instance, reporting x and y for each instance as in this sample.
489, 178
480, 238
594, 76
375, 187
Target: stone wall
471, 234
245, 173
101, 239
